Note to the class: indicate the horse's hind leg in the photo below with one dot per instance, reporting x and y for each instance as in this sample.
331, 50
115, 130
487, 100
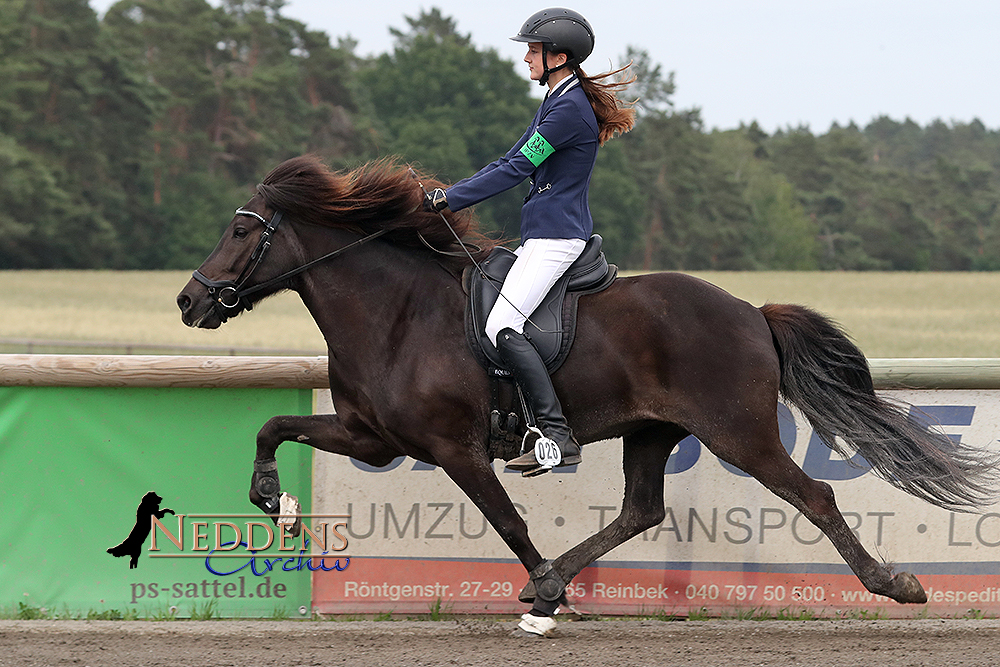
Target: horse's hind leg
644, 454
765, 459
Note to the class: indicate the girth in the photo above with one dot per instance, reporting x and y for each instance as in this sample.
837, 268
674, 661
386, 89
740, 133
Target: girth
552, 327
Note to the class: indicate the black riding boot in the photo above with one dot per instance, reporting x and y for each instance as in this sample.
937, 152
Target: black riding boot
521, 357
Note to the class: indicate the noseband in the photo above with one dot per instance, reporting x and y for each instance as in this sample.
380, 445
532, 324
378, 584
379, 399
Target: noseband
227, 294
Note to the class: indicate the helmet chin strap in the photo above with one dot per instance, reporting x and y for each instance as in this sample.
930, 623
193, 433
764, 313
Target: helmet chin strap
544, 79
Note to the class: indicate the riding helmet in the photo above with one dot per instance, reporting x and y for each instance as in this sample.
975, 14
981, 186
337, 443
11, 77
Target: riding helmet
561, 31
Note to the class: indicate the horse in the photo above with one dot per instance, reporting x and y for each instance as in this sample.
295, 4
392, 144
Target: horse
656, 358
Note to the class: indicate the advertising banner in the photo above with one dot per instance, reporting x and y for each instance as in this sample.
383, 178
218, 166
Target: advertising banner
77, 462
726, 546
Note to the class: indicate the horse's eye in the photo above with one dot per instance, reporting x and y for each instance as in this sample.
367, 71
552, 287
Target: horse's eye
240, 232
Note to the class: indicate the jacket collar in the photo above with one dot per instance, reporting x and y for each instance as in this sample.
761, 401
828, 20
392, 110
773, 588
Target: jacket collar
563, 86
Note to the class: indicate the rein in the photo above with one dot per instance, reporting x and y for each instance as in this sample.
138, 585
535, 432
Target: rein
229, 293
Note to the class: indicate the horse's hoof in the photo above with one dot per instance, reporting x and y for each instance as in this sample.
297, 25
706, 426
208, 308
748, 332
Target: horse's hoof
907, 589
290, 516
538, 626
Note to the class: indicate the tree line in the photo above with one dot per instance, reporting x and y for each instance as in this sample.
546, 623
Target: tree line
126, 140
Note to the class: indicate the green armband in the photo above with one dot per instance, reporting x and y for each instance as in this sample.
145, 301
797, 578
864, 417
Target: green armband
536, 149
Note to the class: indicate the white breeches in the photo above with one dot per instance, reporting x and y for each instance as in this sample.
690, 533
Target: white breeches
539, 264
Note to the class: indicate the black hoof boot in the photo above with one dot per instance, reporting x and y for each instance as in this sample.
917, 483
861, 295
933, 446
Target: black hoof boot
265, 488
550, 592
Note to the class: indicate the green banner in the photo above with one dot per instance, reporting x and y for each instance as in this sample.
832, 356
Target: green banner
74, 465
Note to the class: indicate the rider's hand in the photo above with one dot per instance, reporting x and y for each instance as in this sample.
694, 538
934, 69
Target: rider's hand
435, 201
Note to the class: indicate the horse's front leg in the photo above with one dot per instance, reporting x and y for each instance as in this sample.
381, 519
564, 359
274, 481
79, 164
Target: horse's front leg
325, 432
474, 474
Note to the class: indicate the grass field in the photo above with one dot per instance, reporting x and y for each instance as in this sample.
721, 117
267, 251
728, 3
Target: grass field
887, 314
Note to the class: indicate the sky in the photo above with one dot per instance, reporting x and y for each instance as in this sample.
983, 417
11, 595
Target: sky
783, 63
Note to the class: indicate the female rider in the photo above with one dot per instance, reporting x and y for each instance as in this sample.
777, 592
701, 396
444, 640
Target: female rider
557, 152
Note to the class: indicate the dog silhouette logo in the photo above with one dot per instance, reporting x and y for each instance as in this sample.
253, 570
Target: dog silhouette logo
132, 545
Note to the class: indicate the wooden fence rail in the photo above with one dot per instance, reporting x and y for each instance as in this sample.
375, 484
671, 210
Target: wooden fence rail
310, 372
84, 370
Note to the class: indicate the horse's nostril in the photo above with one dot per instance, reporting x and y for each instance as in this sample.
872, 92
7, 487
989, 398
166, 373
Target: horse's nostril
184, 302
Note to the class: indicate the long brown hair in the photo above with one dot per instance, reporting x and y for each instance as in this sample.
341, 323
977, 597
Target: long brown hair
614, 115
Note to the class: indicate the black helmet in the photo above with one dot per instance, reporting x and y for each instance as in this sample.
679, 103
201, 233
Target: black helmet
560, 31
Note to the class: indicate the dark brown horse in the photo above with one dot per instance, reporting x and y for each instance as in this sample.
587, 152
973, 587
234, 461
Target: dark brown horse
656, 357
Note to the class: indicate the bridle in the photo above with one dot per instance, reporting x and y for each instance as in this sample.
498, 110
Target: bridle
227, 294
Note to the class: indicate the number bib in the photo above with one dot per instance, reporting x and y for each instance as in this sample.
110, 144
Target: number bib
547, 453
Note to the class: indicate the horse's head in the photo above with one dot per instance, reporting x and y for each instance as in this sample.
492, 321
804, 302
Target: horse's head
375, 199
235, 275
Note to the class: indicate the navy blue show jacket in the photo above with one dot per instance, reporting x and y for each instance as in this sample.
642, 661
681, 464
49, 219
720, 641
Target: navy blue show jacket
557, 152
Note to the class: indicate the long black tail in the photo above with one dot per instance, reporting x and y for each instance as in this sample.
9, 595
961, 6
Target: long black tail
827, 377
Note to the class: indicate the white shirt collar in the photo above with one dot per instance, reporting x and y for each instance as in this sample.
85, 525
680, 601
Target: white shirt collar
563, 86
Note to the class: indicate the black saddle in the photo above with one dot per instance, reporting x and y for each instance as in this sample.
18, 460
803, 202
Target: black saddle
552, 327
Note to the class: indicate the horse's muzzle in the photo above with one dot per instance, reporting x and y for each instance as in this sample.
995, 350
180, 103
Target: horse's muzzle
198, 310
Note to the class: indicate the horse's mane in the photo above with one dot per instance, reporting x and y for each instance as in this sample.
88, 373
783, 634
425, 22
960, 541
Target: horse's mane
378, 195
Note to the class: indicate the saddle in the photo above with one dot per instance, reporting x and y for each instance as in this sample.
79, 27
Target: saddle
551, 328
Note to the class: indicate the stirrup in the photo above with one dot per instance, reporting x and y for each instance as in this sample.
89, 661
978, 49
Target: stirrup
541, 454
